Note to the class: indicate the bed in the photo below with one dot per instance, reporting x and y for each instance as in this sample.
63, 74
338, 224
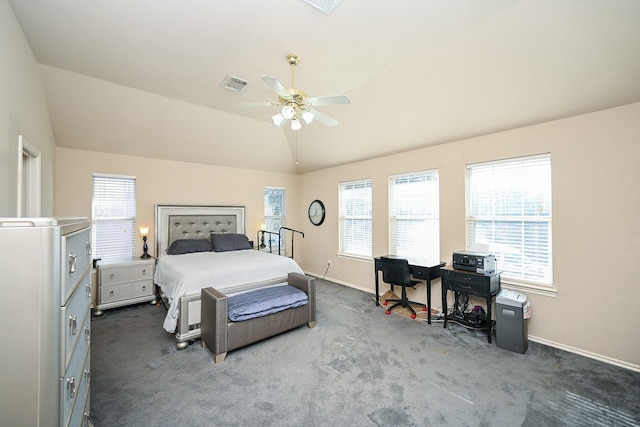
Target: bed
234, 269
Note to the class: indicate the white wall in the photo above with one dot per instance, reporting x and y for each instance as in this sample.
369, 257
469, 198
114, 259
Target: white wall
596, 227
23, 111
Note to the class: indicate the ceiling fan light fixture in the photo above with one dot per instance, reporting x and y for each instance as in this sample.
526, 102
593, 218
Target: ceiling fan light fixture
307, 116
295, 124
278, 120
288, 112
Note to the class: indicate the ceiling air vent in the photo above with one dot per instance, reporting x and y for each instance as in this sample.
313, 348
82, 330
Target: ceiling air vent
326, 6
234, 84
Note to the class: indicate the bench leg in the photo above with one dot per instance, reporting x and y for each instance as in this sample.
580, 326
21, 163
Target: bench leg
311, 324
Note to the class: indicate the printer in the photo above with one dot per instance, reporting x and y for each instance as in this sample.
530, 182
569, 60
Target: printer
478, 262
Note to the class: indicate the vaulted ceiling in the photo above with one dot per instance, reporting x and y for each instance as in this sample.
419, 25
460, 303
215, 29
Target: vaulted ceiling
143, 77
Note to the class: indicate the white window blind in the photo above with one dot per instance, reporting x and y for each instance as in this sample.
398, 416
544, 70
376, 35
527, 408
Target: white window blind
113, 217
274, 209
355, 218
509, 209
414, 215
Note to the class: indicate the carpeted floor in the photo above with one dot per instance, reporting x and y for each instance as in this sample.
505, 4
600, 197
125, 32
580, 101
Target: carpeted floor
357, 367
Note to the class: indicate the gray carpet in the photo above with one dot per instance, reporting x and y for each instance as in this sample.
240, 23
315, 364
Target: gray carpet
357, 367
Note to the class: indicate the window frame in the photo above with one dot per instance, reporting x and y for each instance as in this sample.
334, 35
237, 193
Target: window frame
413, 211
535, 228
348, 216
275, 239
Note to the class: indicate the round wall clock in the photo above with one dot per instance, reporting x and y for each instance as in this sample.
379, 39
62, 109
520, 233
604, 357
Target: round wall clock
316, 212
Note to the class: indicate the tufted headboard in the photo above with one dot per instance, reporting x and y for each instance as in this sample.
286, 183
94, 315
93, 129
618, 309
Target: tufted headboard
175, 222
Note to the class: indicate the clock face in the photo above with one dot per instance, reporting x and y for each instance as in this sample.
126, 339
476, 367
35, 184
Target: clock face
316, 212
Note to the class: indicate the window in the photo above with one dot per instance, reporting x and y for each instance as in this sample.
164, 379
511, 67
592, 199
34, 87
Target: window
113, 216
414, 215
509, 209
355, 218
274, 209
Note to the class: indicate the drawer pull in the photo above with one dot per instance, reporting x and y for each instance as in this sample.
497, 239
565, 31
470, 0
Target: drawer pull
87, 376
87, 289
87, 333
112, 276
71, 387
144, 272
72, 262
73, 320
88, 247
111, 293
144, 287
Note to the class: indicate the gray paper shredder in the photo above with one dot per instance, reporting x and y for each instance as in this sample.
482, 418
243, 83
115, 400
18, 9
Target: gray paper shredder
511, 329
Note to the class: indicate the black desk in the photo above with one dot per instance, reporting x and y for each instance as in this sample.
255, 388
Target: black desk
422, 269
467, 282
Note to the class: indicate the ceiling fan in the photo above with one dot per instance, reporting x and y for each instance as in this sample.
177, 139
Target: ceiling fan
295, 103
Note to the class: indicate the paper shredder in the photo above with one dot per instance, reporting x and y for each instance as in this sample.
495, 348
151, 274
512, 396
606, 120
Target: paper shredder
512, 310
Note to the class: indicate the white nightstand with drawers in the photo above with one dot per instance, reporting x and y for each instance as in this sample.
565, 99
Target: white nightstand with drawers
124, 282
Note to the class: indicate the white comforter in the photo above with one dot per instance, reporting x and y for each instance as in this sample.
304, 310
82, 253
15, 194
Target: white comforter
179, 275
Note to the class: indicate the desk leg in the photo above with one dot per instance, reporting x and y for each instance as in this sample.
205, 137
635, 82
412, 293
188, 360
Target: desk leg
444, 305
377, 289
429, 301
489, 323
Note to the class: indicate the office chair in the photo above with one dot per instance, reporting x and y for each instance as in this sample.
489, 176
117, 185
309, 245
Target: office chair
395, 271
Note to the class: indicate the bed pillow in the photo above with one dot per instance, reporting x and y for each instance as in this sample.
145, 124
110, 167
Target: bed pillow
229, 242
188, 246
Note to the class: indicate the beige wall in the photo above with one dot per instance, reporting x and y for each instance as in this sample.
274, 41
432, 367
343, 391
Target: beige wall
23, 111
169, 182
596, 224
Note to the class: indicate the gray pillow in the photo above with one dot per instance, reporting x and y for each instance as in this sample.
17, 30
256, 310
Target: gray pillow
229, 242
188, 246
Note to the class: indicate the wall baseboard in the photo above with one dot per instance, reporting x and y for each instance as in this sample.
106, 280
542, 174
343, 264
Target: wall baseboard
599, 357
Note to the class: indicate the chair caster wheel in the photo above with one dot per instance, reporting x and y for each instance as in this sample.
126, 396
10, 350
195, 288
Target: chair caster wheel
424, 308
413, 316
387, 312
385, 303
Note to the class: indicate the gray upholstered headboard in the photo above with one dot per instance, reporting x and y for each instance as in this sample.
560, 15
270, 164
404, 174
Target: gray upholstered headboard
175, 222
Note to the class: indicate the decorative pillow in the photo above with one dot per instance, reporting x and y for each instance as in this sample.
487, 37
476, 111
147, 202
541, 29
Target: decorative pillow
229, 242
187, 246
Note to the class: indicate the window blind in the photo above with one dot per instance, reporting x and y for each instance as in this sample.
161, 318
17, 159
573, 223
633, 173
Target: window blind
414, 215
509, 209
355, 218
113, 217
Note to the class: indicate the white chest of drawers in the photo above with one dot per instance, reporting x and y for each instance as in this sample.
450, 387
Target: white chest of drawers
45, 364
124, 282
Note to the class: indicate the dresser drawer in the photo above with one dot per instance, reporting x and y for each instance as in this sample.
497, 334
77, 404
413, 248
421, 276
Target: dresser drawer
75, 379
124, 291
74, 317
471, 283
129, 273
75, 260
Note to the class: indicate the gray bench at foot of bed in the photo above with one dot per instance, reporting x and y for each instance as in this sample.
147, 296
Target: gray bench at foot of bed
222, 335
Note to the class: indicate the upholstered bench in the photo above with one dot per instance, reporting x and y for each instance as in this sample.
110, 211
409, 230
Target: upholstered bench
276, 311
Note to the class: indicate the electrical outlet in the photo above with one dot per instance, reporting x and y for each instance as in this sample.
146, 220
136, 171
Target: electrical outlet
329, 263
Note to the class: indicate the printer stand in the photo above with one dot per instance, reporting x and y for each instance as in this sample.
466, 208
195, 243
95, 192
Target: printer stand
467, 282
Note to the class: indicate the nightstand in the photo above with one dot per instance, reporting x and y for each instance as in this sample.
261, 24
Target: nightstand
124, 282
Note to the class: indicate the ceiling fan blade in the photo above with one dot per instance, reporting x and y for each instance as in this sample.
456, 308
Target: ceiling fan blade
255, 104
323, 118
329, 100
276, 86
